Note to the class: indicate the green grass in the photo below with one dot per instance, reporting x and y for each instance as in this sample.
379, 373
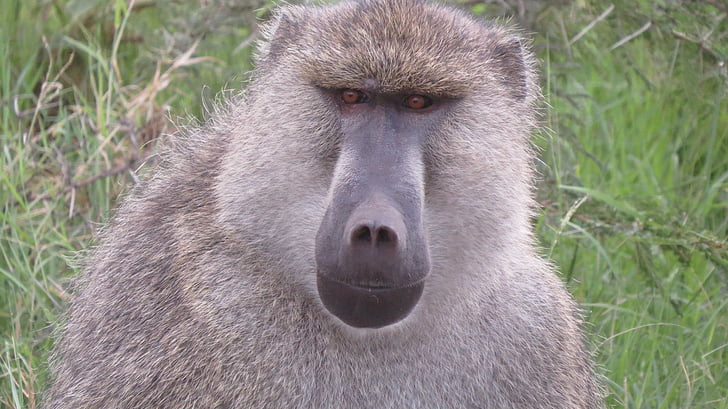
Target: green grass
640, 145
634, 180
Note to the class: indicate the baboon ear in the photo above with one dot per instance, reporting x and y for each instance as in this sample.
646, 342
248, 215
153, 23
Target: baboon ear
509, 58
279, 34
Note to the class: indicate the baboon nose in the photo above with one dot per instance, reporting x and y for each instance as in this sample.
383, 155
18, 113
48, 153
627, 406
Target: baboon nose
373, 235
375, 226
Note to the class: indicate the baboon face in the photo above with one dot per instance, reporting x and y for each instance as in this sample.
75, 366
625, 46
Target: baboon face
371, 253
395, 132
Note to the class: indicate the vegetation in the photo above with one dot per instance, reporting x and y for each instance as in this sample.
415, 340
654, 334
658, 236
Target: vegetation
634, 173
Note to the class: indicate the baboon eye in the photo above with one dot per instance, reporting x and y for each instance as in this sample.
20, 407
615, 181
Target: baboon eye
353, 96
417, 102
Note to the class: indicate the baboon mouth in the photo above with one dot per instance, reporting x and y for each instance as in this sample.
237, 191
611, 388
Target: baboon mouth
368, 304
372, 285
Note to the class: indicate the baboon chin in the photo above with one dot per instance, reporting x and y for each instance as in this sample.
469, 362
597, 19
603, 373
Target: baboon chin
354, 231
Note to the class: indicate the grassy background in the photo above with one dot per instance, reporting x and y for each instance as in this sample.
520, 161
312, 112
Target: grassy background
634, 174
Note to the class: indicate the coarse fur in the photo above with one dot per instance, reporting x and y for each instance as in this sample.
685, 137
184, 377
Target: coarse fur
202, 292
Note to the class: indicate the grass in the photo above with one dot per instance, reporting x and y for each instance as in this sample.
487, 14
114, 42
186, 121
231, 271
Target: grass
634, 180
639, 161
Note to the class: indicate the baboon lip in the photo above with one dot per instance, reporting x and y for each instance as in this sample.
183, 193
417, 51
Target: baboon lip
372, 285
368, 307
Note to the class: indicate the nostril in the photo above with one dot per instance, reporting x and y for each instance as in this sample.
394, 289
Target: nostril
386, 237
373, 235
361, 235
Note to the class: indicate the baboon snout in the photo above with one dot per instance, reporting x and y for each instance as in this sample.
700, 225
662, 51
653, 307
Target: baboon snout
371, 274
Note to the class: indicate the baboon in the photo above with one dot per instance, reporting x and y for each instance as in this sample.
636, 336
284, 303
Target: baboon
354, 231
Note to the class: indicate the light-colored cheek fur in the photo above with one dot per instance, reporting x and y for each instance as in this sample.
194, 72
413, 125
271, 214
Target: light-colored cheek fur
259, 212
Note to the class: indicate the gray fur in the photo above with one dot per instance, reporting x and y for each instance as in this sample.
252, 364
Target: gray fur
201, 292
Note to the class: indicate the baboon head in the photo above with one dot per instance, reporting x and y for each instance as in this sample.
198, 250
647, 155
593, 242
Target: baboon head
391, 143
